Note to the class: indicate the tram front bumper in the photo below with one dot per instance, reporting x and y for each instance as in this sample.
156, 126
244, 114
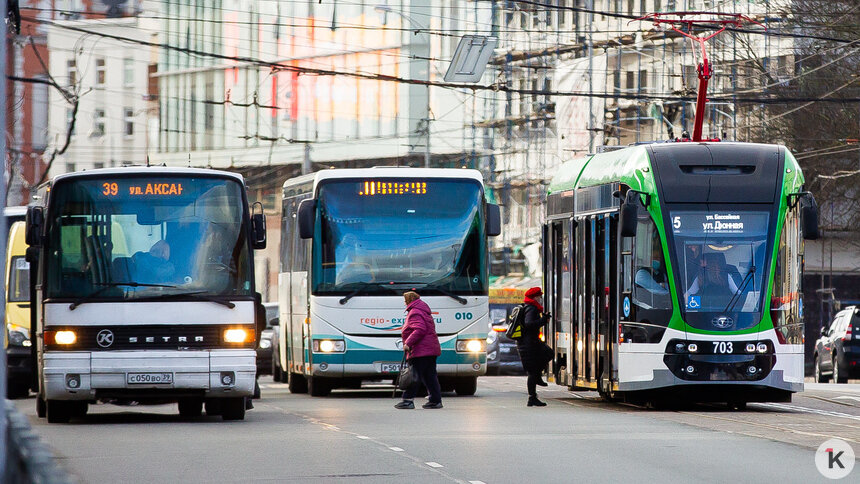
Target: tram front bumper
89, 375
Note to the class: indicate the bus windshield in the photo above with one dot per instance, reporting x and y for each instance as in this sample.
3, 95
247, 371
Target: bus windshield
375, 236
721, 258
136, 237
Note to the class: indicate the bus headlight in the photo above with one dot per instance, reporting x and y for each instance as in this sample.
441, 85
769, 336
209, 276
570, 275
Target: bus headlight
235, 335
18, 335
329, 346
265, 344
65, 337
471, 345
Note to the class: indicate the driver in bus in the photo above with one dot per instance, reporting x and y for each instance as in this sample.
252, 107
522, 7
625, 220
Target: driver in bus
154, 266
653, 279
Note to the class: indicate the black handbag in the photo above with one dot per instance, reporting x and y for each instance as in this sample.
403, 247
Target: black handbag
406, 377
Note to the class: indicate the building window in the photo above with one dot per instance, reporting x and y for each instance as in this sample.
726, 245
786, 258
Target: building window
98, 164
71, 72
70, 167
100, 71
127, 72
562, 14
128, 121
99, 122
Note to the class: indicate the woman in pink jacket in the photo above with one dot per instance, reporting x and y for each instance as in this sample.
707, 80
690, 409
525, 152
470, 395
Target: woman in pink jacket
422, 348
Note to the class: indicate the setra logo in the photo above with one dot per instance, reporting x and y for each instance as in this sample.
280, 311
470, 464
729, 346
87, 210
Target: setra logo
104, 338
834, 459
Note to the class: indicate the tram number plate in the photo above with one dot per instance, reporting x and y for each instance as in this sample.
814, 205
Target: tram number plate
149, 378
389, 367
723, 347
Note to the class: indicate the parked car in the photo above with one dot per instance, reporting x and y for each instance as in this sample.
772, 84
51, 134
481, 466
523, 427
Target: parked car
837, 351
502, 354
264, 348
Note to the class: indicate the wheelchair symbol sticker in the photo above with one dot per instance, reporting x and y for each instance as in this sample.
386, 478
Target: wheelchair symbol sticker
626, 306
695, 302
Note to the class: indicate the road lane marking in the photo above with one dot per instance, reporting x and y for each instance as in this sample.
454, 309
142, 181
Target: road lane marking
477, 482
395, 449
846, 397
363, 437
434, 464
826, 413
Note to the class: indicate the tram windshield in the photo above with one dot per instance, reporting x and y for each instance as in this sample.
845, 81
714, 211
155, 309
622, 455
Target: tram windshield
375, 236
140, 237
721, 258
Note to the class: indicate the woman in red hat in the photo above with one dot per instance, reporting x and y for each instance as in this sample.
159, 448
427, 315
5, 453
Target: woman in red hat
534, 353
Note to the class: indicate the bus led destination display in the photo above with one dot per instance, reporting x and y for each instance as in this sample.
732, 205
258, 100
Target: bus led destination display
685, 223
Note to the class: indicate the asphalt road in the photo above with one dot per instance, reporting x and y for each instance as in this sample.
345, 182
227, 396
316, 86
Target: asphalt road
357, 436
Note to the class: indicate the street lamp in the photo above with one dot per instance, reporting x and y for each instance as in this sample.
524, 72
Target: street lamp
418, 28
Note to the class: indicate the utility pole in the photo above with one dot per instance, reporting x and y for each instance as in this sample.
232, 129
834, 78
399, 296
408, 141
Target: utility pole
3, 417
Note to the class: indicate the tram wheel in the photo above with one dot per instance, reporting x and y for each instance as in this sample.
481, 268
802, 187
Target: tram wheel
297, 383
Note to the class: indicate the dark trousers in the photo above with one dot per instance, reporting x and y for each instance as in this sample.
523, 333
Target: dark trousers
534, 377
425, 372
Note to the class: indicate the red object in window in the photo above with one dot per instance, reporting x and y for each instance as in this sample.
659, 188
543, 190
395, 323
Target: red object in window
848, 331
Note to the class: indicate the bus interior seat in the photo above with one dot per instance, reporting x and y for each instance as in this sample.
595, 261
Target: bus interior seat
121, 269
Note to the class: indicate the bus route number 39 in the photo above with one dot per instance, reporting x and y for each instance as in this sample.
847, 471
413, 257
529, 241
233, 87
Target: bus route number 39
723, 347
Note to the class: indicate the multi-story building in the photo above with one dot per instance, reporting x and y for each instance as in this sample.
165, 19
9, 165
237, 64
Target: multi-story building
109, 80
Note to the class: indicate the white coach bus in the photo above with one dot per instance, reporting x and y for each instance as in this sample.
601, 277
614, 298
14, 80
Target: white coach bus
353, 241
145, 290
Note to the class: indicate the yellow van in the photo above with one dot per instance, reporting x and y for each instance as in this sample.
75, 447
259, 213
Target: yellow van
19, 360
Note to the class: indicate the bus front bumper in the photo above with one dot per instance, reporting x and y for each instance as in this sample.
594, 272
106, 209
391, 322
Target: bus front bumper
208, 373
384, 364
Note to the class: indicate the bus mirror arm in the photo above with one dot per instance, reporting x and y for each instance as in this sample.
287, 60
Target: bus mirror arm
306, 218
258, 227
808, 215
630, 212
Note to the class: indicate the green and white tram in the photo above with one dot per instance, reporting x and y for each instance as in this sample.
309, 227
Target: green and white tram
677, 266
352, 242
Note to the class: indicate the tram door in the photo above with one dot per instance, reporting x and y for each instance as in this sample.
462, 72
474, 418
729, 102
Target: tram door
559, 271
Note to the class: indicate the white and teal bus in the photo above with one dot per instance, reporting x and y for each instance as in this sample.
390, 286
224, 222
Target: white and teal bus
352, 242
144, 290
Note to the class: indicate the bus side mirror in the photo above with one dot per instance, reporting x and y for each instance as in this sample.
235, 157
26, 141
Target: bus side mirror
275, 322
35, 220
494, 220
809, 218
306, 216
258, 231
629, 214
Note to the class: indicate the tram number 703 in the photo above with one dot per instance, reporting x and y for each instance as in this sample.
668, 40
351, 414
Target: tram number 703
723, 347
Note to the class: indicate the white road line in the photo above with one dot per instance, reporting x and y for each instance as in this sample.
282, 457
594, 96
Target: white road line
434, 464
477, 482
363, 437
395, 449
826, 413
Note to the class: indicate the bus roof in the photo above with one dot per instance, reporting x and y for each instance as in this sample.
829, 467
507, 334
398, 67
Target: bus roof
384, 172
148, 170
14, 211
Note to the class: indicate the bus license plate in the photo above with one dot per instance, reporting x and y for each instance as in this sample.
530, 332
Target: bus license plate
390, 367
150, 378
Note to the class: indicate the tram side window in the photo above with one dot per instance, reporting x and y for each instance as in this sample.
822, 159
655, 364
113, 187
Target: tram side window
786, 304
650, 281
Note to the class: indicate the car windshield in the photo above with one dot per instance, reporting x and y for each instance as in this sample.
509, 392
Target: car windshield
140, 237
720, 257
372, 235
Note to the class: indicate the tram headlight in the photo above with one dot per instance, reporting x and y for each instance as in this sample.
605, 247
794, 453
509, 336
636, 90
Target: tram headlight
750, 348
235, 335
762, 348
692, 347
470, 345
680, 347
329, 346
65, 337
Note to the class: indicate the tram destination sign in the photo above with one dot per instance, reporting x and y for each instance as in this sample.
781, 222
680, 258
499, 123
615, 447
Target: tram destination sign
719, 222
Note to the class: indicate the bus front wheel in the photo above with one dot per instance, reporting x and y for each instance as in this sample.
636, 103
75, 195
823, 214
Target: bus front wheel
318, 387
41, 407
233, 408
190, 407
466, 386
297, 383
58, 411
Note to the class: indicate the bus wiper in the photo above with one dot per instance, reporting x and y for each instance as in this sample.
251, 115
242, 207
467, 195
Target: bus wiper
737, 295
198, 295
356, 292
108, 285
453, 296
